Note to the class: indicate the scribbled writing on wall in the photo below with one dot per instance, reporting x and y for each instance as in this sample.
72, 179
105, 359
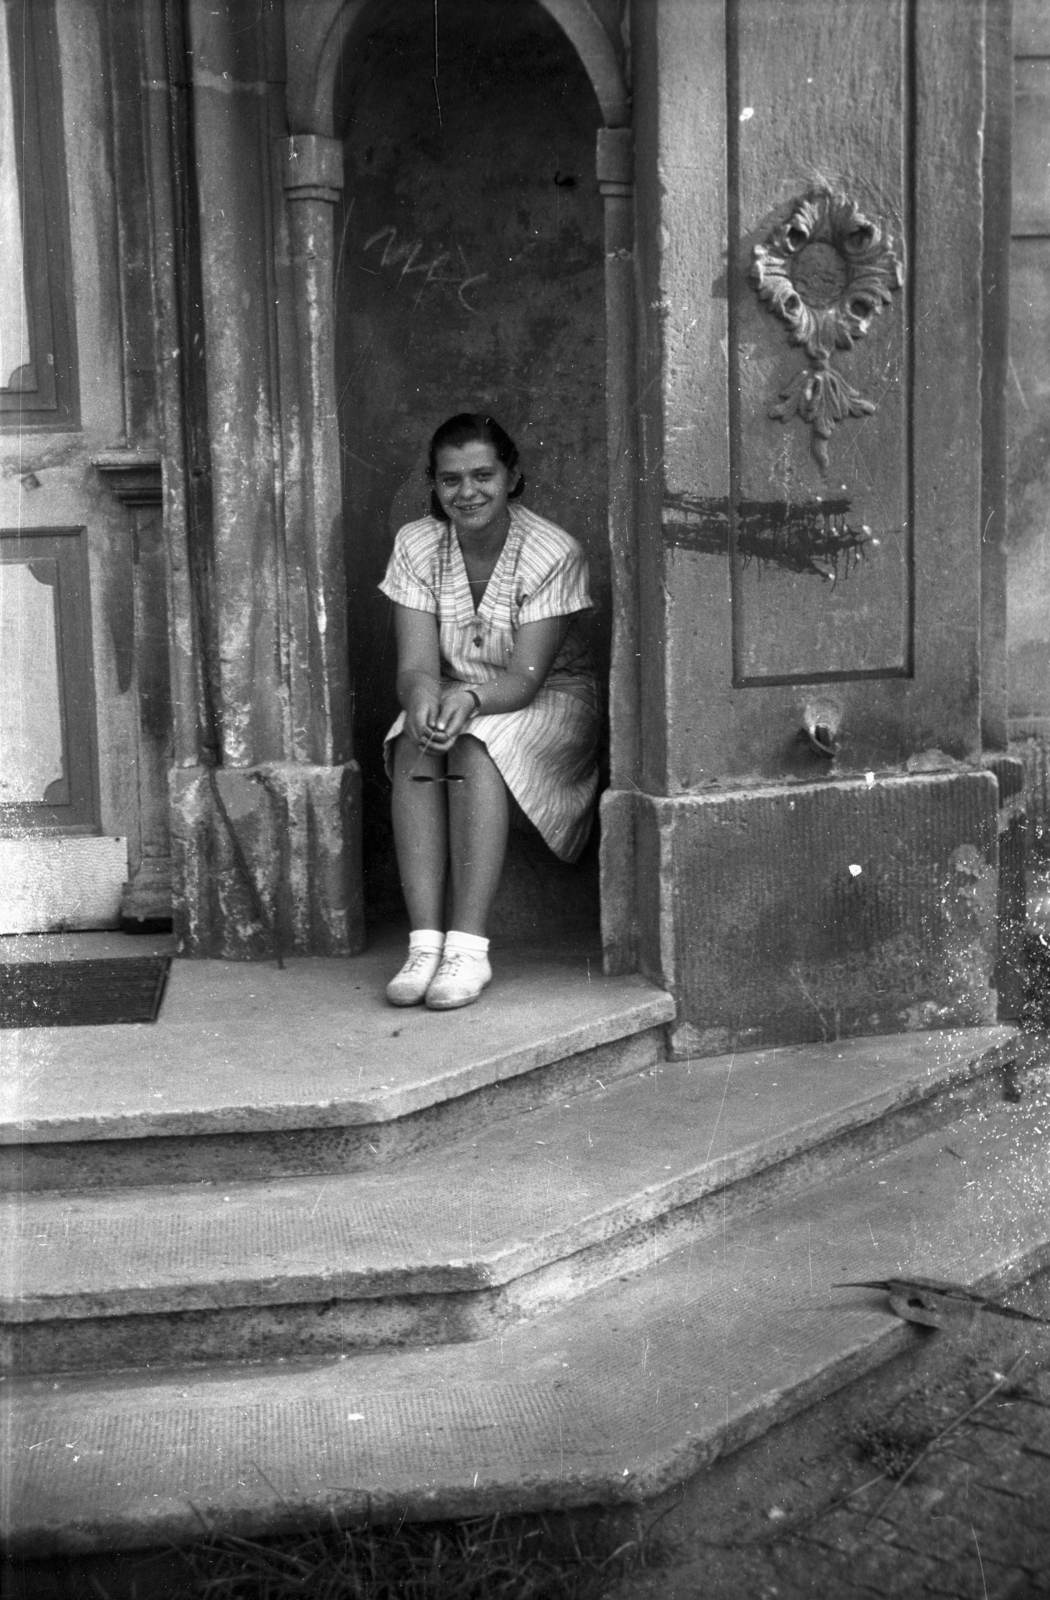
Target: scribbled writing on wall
815, 536
421, 268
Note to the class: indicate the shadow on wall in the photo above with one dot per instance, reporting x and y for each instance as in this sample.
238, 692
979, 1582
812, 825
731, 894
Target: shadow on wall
469, 276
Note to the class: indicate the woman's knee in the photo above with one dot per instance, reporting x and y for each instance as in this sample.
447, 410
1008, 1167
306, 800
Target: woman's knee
470, 759
400, 755
471, 753
409, 760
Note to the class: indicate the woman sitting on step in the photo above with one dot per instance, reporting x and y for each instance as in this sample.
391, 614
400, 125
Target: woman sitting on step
499, 698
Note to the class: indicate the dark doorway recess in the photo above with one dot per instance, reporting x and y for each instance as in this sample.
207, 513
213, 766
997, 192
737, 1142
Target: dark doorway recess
469, 276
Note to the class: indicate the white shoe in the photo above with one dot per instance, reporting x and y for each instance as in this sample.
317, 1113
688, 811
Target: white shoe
459, 981
408, 986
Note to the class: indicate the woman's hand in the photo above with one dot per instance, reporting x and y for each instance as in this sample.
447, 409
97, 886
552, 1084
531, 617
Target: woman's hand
435, 717
421, 714
455, 711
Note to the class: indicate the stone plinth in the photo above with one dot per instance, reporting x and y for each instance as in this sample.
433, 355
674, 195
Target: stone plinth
296, 830
818, 911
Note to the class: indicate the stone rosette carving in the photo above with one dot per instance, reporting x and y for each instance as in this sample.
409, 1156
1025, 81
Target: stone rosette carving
827, 272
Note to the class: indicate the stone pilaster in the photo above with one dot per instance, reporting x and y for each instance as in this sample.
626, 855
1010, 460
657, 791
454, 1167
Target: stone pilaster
265, 841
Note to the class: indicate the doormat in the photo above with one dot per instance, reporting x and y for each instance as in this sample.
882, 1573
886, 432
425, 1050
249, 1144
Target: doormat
78, 994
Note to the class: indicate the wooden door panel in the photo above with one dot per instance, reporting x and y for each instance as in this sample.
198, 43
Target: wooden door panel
48, 772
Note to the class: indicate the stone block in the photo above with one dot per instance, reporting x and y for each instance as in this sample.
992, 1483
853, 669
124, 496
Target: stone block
274, 869
821, 911
543, 900
51, 884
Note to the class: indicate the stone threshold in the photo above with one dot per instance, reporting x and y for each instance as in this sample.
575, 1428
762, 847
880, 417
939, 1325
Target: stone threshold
246, 1048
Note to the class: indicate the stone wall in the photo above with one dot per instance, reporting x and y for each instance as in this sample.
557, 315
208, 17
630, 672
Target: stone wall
815, 843
1028, 413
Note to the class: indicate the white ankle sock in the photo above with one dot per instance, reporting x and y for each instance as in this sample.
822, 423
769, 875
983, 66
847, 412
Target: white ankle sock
426, 939
472, 942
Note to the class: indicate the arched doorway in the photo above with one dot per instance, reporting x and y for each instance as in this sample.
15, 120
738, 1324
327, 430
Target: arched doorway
469, 274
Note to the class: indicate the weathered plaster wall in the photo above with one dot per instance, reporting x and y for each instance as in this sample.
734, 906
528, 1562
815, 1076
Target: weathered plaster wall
469, 277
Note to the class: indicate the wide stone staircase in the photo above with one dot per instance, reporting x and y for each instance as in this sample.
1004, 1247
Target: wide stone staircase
288, 1252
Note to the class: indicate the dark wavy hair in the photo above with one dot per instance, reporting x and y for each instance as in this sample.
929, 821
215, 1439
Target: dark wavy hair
472, 427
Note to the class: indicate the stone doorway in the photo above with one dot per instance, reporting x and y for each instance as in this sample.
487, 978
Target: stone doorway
469, 275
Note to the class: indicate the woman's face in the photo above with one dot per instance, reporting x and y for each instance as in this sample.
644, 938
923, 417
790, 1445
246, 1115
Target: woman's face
473, 487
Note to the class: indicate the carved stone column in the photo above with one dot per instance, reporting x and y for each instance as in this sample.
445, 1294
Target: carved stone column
134, 477
615, 168
312, 177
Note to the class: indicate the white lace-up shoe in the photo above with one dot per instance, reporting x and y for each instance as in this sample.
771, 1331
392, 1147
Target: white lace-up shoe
459, 981
408, 987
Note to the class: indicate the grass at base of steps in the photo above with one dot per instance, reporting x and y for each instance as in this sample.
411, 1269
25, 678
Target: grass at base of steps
579, 1556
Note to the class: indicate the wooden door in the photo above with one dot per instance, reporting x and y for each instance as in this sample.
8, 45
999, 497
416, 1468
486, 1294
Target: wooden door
83, 747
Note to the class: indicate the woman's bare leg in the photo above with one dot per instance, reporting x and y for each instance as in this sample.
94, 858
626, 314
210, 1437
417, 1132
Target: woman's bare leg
420, 812
478, 817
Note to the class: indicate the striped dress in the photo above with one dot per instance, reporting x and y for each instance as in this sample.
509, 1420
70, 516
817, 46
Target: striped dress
546, 753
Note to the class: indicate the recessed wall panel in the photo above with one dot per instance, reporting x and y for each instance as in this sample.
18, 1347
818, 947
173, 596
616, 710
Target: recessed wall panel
819, 109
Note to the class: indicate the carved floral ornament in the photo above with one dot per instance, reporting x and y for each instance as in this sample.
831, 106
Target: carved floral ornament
827, 272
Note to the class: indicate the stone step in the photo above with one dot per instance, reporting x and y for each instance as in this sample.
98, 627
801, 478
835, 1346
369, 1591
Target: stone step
252, 1070
610, 1398
456, 1243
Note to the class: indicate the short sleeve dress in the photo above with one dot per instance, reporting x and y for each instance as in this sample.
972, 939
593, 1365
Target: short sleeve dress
546, 753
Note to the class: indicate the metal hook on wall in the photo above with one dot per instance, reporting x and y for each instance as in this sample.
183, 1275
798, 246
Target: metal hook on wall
820, 738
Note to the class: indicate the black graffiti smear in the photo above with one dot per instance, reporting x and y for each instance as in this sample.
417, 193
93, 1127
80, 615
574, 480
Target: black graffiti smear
696, 524
814, 537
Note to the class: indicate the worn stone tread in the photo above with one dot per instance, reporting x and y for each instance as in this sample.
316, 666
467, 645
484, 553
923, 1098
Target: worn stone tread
520, 1194
611, 1398
238, 1050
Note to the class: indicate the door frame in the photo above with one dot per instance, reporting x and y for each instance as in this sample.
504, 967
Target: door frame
317, 37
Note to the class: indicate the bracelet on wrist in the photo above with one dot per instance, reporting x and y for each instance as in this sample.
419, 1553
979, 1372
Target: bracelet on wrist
474, 696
